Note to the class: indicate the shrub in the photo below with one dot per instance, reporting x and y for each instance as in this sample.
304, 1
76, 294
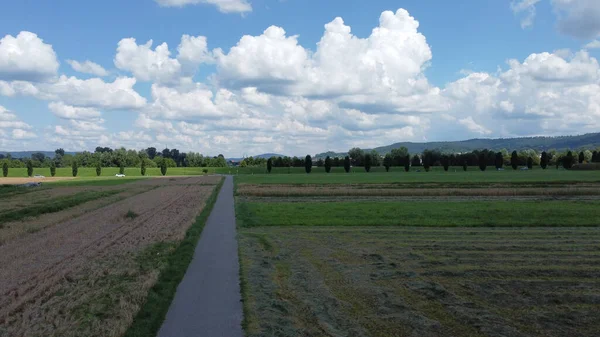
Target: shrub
131, 215
143, 168
122, 168
499, 160
327, 164
387, 162
98, 169
163, 168
482, 162
347, 164
529, 163
269, 165
407, 163
52, 169
368, 161
5, 169
568, 160
74, 168
465, 166
308, 164
205, 171
581, 157
446, 162
29, 168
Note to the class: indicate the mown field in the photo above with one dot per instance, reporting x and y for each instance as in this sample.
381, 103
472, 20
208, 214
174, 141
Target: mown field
97, 257
507, 253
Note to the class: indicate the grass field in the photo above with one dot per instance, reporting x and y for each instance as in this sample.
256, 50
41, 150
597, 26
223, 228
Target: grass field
496, 253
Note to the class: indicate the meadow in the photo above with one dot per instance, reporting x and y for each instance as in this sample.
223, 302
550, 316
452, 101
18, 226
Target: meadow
495, 253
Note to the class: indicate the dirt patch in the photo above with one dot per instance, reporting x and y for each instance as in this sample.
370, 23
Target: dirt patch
19, 181
46, 276
421, 282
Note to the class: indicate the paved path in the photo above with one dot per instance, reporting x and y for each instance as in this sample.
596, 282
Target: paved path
208, 301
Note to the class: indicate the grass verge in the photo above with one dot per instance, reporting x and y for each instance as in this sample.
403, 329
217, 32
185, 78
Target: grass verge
149, 319
422, 213
53, 206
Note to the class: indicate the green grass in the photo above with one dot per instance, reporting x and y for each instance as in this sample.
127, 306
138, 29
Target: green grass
152, 314
54, 205
421, 213
111, 171
472, 176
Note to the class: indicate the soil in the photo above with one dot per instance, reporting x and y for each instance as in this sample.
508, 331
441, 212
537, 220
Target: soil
35, 267
19, 181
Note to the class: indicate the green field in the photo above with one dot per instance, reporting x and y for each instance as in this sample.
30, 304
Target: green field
111, 171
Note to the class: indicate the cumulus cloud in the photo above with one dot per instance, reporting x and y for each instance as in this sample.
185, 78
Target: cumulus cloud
23, 134
578, 18
88, 67
225, 6
64, 111
383, 72
20, 129
593, 45
470, 124
26, 57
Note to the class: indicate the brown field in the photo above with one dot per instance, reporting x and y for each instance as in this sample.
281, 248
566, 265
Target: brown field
85, 270
19, 181
422, 281
382, 190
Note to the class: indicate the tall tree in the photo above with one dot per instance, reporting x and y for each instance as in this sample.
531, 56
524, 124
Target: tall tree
308, 163
482, 161
59, 152
328, 164
143, 167
347, 164
30, 168
499, 160
416, 161
581, 157
269, 165
356, 156
529, 163
445, 162
5, 169
568, 160
368, 162
465, 164
163, 167
544, 160
166, 153
151, 151
514, 160
52, 169
407, 163
74, 168
98, 168
122, 168
595, 157
387, 162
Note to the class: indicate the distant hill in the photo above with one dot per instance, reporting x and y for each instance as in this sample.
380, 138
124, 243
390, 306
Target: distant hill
590, 140
264, 155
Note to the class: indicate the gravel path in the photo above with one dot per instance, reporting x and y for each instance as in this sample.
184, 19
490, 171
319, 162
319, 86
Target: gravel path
208, 301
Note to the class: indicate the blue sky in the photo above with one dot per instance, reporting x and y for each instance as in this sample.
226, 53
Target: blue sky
446, 77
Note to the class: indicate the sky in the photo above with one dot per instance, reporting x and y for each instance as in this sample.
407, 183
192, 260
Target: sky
243, 77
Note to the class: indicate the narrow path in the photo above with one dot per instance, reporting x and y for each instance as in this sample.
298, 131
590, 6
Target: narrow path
208, 300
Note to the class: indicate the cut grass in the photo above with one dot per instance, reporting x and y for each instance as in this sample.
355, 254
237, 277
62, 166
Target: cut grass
422, 213
149, 319
374, 281
54, 205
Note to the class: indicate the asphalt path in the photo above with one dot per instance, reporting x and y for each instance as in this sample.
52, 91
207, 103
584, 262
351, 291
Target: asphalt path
208, 301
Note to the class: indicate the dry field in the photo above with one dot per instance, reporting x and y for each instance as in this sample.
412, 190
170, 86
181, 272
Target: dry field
333, 281
19, 181
85, 270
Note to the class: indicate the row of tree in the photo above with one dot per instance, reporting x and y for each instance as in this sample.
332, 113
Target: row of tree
107, 157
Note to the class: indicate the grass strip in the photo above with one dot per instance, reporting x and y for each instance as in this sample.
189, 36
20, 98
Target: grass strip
149, 319
426, 213
53, 206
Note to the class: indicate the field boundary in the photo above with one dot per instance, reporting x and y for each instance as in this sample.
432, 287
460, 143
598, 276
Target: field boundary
151, 315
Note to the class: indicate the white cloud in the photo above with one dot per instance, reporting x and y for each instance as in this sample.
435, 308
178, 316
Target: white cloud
386, 68
593, 45
23, 134
470, 124
225, 6
9, 120
147, 64
26, 57
71, 112
88, 67
527, 6
193, 51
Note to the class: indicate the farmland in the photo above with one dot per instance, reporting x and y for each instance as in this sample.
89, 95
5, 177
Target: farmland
509, 253
80, 259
